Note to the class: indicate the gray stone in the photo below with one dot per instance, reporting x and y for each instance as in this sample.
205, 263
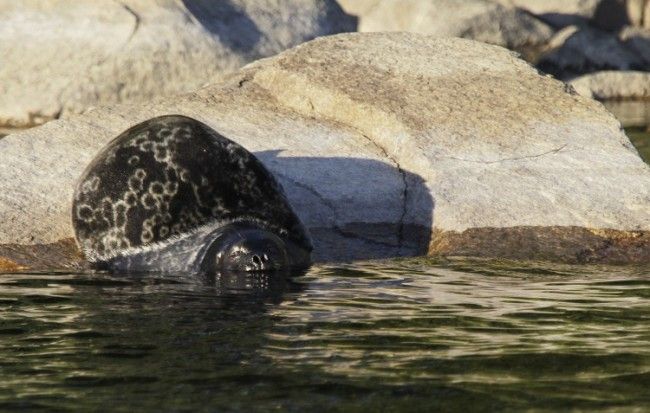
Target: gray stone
64, 56
481, 20
387, 144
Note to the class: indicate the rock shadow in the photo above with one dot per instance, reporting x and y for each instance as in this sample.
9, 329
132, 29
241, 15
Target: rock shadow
227, 21
611, 15
356, 208
590, 50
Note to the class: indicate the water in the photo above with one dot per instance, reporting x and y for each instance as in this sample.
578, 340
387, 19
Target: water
412, 335
634, 116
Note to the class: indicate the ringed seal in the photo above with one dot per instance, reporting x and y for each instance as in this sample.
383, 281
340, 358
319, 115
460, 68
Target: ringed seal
172, 194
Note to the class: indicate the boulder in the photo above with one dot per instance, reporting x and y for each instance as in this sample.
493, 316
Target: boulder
387, 144
578, 50
64, 56
481, 20
614, 85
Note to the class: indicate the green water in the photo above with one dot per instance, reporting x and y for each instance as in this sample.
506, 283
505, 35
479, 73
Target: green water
398, 336
640, 137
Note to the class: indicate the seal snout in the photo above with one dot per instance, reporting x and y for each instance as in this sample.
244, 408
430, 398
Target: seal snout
250, 249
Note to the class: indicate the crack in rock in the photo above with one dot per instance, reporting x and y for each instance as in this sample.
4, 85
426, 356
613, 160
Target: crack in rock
243, 81
351, 235
551, 152
311, 190
335, 226
405, 191
137, 18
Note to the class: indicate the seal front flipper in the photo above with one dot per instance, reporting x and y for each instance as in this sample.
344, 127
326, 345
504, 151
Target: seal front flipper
172, 194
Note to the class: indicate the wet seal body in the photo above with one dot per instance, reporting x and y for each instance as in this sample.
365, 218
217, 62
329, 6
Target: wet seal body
172, 194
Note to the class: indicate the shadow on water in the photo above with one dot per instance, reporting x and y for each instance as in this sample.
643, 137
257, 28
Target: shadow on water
227, 21
356, 209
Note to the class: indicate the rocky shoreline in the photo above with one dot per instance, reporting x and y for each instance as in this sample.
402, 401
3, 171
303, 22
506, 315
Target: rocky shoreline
387, 145
440, 142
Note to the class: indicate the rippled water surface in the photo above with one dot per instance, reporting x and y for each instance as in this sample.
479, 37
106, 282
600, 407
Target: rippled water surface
391, 336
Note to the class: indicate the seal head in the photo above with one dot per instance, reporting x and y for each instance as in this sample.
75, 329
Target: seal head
246, 248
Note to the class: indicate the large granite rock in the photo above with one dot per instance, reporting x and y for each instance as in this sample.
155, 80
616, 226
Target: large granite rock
62, 56
481, 20
387, 144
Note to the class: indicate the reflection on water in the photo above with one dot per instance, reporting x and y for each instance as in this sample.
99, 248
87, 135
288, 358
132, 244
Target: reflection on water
640, 138
409, 336
634, 116
631, 113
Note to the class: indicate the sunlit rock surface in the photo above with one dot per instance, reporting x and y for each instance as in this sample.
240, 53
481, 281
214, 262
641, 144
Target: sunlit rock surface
64, 56
387, 145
